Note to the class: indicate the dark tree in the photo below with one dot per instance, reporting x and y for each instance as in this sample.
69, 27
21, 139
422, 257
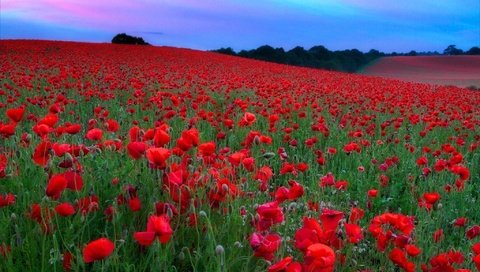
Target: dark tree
452, 50
320, 52
265, 52
474, 51
412, 53
298, 56
373, 53
226, 51
127, 39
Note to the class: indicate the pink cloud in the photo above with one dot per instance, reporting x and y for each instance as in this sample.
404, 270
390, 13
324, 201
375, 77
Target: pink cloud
122, 15
76, 13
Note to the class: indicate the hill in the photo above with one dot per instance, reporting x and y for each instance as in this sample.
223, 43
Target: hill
462, 71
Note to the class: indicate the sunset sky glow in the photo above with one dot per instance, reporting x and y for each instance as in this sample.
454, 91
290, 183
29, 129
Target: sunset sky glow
422, 25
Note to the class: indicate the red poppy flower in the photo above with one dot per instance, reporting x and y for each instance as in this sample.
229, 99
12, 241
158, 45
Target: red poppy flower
309, 234
236, 158
249, 164
476, 248
422, 161
7, 130
281, 194
269, 214
157, 226
3, 165
372, 193
264, 174
136, 149
330, 219
42, 216
56, 185
296, 190
135, 204
67, 261
476, 260
438, 235
355, 215
351, 147
207, 149
7, 200
73, 128
280, 265
431, 198
412, 250
50, 120
74, 180
473, 232
157, 156
112, 125
42, 130
191, 137
265, 246
65, 209
320, 257
461, 171
60, 149
16, 114
41, 154
354, 233
440, 165
87, 204
248, 119
98, 250
161, 138
398, 257
460, 222
94, 134
327, 180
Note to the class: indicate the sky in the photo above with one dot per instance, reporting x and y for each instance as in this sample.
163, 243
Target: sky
386, 25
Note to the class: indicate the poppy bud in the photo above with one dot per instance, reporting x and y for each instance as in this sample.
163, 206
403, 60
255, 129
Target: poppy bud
292, 206
169, 212
68, 157
256, 140
268, 155
238, 244
219, 250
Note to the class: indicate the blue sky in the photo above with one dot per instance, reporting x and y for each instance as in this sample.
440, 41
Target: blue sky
401, 26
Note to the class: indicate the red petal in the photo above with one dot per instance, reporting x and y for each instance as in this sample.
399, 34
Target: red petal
144, 238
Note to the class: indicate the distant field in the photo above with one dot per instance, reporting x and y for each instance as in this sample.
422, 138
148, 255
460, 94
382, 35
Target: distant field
462, 71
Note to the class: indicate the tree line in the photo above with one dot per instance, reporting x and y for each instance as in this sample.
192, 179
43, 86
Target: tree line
320, 57
316, 57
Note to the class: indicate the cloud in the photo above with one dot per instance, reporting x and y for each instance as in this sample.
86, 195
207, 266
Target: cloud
152, 32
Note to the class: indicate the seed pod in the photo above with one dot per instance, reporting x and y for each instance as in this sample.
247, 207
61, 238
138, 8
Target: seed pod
268, 155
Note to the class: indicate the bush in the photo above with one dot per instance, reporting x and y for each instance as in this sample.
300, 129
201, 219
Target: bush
127, 39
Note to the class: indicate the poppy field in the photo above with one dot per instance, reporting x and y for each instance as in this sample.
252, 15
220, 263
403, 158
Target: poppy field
131, 158
460, 71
